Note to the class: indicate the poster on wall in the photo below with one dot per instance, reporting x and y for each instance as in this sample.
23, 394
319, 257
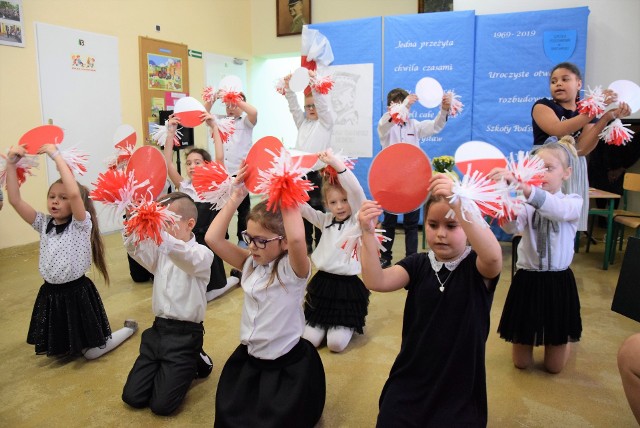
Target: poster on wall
165, 72
11, 23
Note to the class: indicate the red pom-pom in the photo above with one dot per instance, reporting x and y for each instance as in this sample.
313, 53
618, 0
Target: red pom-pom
283, 183
212, 183
231, 97
323, 85
147, 220
116, 187
616, 133
208, 94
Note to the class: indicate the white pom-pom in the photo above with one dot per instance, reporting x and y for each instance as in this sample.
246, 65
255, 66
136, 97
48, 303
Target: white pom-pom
593, 103
456, 105
478, 197
281, 86
75, 159
159, 134
399, 113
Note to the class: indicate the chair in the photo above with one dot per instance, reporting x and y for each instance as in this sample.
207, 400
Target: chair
625, 218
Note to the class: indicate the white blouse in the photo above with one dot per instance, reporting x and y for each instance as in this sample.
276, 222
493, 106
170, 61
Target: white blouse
272, 316
65, 256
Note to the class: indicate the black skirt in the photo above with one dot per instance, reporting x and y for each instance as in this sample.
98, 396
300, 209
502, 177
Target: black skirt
542, 308
68, 318
336, 300
289, 391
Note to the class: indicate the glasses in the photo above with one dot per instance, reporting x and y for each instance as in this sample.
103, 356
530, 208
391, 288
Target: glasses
310, 106
258, 242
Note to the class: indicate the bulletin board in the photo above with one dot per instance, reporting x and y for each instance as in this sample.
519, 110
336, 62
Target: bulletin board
164, 77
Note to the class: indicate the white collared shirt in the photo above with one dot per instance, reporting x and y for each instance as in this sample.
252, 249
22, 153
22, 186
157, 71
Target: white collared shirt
328, 256
239, 144
272, 316
181, 272
65, 256
411, 132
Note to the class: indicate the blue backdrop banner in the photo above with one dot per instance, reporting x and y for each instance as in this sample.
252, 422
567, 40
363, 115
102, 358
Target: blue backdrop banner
515, 53
430, 47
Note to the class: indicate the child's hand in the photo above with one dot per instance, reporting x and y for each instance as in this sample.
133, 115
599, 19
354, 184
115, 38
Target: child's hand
172, 123
623, 110
410, 100
328, 157
441, 185
446, 103
610, 96
368, 216
49, 149
286, 79
15, 153
209, 120
498, 174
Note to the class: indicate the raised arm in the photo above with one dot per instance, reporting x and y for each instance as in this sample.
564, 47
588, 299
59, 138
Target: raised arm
296, 243
24, 210
374, 277
217, 140
250, 111
216, 234
481, 238
172, 128
71, 187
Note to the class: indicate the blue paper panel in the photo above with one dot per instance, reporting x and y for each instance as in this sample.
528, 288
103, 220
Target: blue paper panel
515, 53
359, 41
438, 46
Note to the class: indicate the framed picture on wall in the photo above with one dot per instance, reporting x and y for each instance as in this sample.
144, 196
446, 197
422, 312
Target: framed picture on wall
425, 6
291, 15
11, 23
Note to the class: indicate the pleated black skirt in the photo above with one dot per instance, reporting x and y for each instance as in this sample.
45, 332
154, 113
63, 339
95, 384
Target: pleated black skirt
336, 300
68, 318
542, 308
289, 391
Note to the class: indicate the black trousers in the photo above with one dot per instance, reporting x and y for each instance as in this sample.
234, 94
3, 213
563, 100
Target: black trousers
243, 212
162, 373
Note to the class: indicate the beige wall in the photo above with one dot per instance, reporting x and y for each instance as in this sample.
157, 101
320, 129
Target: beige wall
216, 26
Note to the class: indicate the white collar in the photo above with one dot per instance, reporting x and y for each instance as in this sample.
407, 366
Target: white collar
436, 265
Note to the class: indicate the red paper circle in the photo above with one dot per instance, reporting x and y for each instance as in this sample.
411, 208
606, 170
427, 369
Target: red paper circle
258, 159
37, 137
147, 163
399, 178
190, 119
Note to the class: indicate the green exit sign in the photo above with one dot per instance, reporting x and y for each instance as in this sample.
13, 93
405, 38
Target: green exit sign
195, 54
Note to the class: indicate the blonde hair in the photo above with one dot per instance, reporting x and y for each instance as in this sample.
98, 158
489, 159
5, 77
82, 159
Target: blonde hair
565, 150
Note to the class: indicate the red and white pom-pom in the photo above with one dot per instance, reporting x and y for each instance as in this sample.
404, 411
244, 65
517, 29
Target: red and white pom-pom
330, 174
226, 128
117, 188
322, 85
75, 159
147, 220
283, 183
281, 86
159, 135
230, 97
478, 197
399, 113
616, 133
511, 200
120, 159
213, 184
23, 168
208, 94
456, 105
593, 104
351, 244
528, 169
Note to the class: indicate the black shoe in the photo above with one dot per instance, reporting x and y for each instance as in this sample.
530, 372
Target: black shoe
236, 273
205, 365
385, 263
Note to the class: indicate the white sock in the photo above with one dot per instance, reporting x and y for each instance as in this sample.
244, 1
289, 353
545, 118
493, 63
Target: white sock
314, 335
232, 281
116, 339
338, 338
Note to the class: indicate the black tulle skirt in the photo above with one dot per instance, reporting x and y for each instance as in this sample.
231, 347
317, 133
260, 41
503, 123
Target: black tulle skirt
68, 318
542, 308
289, 391
336, 300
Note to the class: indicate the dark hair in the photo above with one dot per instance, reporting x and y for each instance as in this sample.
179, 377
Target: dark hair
572, 68
97, 245
396, 95
181, 204
272, 221
430, 201
202, 152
